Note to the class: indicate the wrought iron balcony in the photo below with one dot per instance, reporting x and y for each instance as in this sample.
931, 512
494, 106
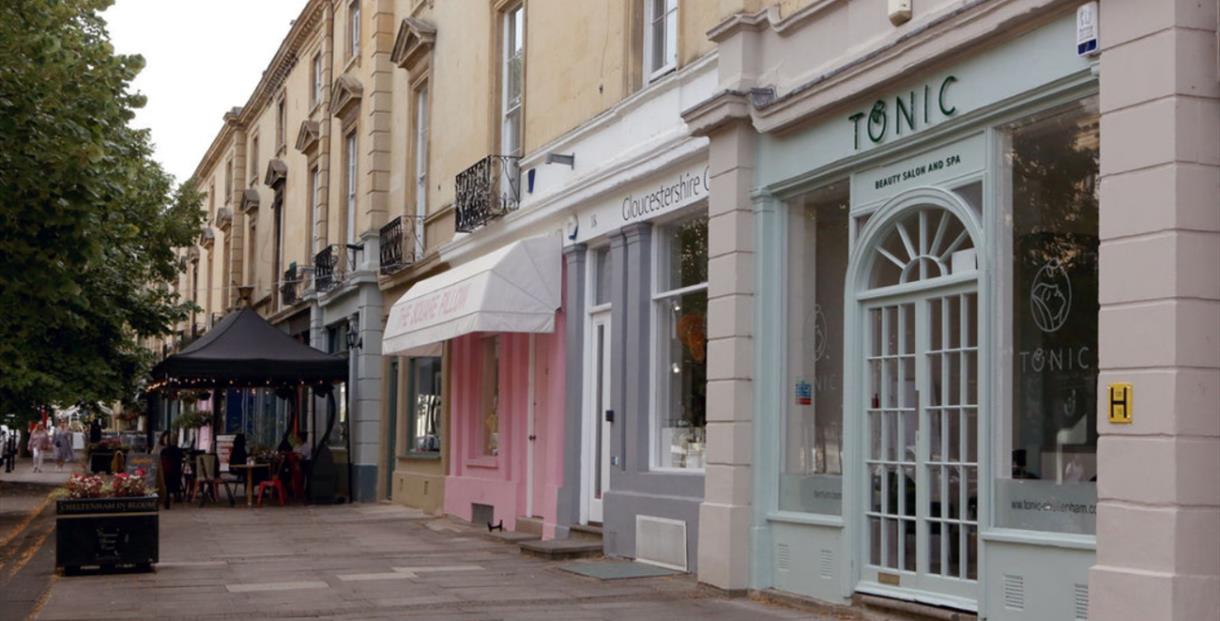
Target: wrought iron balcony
289, 290
326, 267
488, 190
402, 243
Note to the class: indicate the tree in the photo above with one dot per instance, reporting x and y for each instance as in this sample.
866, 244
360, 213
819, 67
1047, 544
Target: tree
88, 220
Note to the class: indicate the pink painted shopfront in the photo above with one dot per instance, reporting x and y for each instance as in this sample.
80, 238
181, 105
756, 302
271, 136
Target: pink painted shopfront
499, 316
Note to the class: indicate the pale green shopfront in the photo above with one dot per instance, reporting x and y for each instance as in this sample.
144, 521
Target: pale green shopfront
927, 336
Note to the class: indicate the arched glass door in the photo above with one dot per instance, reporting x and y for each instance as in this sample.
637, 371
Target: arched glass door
920, 366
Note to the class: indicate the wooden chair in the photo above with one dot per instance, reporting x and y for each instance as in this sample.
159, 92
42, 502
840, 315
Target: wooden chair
207, 480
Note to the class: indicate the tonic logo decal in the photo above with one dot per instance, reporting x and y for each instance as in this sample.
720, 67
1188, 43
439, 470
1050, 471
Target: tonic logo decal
1050, 297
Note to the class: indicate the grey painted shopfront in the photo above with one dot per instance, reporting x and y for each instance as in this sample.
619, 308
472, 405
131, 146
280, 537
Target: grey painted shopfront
927, 283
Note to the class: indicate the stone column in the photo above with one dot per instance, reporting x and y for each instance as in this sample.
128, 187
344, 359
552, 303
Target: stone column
1158, 522
724, 517
568, 501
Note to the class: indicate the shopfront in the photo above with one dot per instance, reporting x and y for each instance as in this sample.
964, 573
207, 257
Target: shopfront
926, 393
638, 263
498, 320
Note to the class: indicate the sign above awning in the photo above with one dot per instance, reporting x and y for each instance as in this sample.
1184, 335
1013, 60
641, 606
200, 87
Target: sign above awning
517, 288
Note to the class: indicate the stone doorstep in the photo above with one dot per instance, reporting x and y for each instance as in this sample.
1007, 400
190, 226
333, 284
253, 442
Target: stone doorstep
863, 607
530, 525
589, 532
561, 549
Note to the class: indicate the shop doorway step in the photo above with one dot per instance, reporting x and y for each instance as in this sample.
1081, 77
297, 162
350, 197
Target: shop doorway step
582, 542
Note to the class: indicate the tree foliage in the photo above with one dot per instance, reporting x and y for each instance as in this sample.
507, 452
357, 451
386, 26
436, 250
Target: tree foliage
88, 220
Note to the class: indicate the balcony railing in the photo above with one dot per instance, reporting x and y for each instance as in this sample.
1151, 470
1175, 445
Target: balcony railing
486, 191
402, 243
326, 267
289, 286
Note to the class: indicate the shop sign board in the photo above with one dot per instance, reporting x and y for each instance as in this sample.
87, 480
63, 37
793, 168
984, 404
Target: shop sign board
641, 201
1034, 59
928, 168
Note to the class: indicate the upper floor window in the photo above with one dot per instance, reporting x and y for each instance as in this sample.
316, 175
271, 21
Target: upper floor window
353, 29
315, 200
228, 180
421, 151
350, 185
512, 59
280, 121
211, 199
660, 37
316, 73
254, 157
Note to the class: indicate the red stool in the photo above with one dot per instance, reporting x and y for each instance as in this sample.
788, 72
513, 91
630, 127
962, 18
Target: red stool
273, 482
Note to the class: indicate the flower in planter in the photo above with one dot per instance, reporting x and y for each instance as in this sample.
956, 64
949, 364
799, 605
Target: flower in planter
85, 486
126, 485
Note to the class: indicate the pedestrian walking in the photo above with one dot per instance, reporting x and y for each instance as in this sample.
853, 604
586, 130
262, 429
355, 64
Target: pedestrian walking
63, 447
40, 445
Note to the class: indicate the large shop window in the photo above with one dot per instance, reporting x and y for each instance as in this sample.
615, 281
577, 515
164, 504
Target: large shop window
424, 403
1050, 441
811, 477
489, 396
681, 347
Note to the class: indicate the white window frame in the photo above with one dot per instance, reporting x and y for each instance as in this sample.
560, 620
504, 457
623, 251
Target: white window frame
315, 188
316, 94
653, 70
353, 29
659, 245
421, 167
350, 145
512, 46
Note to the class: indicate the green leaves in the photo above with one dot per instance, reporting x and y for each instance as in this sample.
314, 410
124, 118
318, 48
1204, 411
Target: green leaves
88, 221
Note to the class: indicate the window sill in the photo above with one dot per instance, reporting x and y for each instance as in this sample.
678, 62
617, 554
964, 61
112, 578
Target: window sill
490, 463
807, 519
1071, 541
661, 74
420, 456
671, 470
352, 61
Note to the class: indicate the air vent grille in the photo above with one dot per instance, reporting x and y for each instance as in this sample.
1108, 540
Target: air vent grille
783, 557
660, 541
1014, 592
1082, 602
826, 563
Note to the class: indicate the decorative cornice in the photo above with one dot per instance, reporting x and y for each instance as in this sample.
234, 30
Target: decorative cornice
249, 200
277, 172
307, 136
307, 25
207, 236
224, 218
724, 107
414, 41
346, 92
769, 17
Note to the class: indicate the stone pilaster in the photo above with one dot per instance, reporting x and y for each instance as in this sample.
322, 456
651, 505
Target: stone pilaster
1158, 522
568, 501
725, 515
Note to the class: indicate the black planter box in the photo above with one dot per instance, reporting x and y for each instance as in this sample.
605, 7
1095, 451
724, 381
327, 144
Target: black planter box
107, 533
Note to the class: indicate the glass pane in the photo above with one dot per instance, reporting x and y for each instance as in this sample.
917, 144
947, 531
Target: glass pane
671, 37
491, 395
1052, 439
602, 276
810, 479
686, 254
424, 399
658, 42
684, 410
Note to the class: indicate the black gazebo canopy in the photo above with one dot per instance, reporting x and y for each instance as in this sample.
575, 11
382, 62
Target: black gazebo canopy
243, 350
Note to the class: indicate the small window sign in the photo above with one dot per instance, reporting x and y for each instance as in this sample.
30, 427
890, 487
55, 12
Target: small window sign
1122, 397
1086, 29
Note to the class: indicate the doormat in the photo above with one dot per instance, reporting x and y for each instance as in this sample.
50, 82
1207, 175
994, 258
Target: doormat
617, 570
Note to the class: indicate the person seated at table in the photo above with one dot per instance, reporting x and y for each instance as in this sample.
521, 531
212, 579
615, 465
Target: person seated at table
238, 456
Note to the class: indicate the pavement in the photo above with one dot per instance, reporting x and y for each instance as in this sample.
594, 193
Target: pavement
27, 527
367, 561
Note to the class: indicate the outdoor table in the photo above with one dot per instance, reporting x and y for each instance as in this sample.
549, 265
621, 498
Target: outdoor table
249, 468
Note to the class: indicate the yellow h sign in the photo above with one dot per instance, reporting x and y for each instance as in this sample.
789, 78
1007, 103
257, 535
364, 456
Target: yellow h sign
1122, 397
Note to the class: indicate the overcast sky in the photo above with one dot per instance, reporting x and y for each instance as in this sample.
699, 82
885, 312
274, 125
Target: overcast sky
202, 58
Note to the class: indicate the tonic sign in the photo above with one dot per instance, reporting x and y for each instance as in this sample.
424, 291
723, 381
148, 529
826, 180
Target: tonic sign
913, 110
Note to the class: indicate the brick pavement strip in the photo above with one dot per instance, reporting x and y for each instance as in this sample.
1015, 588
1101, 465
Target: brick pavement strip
368, 562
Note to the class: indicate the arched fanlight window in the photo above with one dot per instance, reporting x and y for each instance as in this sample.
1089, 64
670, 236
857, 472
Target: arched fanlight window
927, 243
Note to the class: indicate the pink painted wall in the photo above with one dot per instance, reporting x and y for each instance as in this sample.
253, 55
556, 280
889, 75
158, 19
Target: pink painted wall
500, 480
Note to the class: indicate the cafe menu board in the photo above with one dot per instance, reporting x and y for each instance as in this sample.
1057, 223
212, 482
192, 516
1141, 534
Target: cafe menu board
224, 448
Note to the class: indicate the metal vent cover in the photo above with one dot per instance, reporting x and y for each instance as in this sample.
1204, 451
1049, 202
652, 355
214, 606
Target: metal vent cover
660, 541
783, 557
826, 562
1014, 592
1081, 602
